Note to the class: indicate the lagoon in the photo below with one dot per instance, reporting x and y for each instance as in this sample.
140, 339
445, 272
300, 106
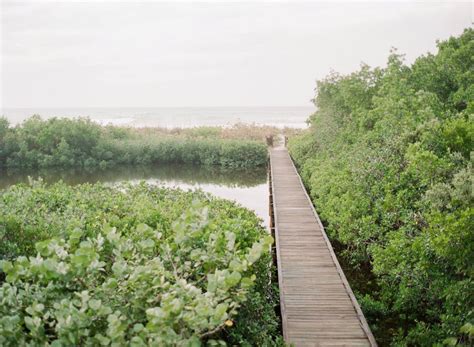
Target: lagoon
246, 187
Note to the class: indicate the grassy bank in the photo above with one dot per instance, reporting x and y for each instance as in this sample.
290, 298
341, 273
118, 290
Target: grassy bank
139, 265
239, 131
82, 143
388, 163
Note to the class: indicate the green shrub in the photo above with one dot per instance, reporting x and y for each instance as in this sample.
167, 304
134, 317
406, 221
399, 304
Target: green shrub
81, 143
387, 162
138, 265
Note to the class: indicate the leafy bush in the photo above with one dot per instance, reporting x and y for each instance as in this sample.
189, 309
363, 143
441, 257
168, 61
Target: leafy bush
59, 142
138, 265
387, 161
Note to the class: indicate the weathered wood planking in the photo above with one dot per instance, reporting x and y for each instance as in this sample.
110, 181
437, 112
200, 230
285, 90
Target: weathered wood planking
317, 304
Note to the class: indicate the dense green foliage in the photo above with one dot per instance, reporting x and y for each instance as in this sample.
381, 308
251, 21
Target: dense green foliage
387, 162
59, 142
138, 265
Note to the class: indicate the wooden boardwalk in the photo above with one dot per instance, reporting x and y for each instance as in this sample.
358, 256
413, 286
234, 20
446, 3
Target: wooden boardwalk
318, 307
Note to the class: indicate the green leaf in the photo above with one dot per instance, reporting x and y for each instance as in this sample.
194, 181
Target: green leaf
451, 341
220, 312
230, 236
95, 304
233, 279
111, 234
6, 266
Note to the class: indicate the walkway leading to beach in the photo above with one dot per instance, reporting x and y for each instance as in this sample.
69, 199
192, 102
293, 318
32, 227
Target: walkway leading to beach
317, 304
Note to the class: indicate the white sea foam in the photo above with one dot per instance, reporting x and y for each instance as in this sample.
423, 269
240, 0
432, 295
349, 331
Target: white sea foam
171, 117
115, 121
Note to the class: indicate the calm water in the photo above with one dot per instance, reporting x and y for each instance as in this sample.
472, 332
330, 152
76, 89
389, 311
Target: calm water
248, 188
173, 116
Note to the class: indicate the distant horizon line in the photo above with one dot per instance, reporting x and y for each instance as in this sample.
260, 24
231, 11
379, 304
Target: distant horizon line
89, 107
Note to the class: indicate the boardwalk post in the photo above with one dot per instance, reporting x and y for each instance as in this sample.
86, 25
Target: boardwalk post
318, 307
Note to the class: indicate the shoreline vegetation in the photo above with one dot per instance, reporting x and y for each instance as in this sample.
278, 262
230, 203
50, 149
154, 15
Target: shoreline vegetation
132, 264
388, 164
79, 142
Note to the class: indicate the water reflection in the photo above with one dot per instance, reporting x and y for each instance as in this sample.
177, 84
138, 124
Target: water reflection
247, 187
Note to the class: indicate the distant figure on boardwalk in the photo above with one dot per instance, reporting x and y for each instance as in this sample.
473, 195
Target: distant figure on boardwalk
269, 139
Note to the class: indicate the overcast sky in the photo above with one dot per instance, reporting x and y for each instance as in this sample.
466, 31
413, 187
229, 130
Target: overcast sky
93, 54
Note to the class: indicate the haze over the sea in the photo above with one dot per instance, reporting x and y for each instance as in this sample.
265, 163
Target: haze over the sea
171, 117
171, 64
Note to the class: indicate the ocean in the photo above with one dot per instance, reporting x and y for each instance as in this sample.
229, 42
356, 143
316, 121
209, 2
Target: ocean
171, 117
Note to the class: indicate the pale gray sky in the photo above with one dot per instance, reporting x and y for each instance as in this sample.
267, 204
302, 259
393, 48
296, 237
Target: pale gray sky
93, 54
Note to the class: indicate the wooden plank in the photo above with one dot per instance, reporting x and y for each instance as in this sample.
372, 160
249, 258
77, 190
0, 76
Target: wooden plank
317, 305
